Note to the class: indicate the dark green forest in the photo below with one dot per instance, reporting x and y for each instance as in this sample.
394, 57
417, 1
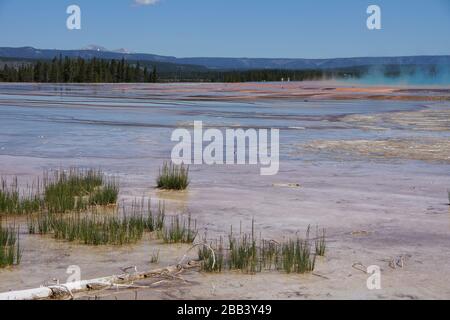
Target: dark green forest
65, 70
78, 70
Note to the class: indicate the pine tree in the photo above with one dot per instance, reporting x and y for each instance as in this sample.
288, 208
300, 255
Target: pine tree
154, 77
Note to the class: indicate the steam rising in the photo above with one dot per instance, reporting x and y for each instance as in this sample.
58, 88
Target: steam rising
405, 75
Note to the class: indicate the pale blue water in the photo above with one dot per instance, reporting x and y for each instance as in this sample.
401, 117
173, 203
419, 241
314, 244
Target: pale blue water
126, 130
107, 121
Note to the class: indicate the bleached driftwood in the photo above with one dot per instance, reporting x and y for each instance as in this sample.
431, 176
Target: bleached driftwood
68, 290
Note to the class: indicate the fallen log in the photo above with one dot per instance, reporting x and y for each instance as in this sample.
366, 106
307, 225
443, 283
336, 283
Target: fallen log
68, 290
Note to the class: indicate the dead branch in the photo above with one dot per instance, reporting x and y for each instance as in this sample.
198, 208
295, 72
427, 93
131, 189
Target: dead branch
68, 290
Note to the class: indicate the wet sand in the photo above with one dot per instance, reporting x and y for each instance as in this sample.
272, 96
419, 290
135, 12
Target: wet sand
377, 181
426, 149
320, 90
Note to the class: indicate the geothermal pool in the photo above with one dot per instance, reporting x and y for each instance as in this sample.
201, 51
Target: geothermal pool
371, 164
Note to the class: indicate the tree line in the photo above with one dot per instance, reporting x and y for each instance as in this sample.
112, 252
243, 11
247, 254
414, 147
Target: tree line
78, 70
266, 75
270, 75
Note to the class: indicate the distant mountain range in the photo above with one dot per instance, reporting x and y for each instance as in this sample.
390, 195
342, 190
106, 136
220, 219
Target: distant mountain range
94, 47
222, 63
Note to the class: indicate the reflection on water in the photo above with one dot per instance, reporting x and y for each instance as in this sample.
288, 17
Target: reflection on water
123, 122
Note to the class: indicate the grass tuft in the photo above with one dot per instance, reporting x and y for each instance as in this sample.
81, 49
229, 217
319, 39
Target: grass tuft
296, 257
90, 229
13, 202
179, 231
77, 189
248, 255
212, 257
63, 191
173, 177
97, 229
10, 252
320, 243
243, 254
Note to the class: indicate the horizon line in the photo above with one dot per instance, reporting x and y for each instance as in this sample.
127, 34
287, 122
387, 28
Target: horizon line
234, 57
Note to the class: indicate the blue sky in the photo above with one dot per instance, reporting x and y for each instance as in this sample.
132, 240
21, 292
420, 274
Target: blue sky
233, 28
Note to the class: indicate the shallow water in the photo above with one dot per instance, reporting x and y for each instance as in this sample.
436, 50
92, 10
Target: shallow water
54, 123
126, 129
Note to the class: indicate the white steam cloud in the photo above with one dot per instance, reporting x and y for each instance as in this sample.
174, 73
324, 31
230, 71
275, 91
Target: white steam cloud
146, 2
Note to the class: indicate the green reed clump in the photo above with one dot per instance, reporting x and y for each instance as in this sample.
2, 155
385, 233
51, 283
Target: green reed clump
13, 202
212, 256
77, 189
10, 252
93, 228
41, 223
244, 254
179, 231
106, 195
63, 191
269, 255
320, 242
296, 257
89, 229
248, 255
173, 177
154, 220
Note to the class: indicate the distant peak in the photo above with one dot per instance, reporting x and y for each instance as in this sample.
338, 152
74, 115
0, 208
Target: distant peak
94, 47
123, 50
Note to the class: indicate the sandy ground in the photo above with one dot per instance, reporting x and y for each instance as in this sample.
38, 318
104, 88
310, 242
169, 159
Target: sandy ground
426, 149
314, 90
374, 212
437, 119
378, 203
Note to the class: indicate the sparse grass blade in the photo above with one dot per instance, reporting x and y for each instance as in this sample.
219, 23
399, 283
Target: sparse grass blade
62, 191
10, 251
78, 189
179, 231
320, 243
105, 195
244, 254
15, 202
212, 256
94, 228
90, 229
